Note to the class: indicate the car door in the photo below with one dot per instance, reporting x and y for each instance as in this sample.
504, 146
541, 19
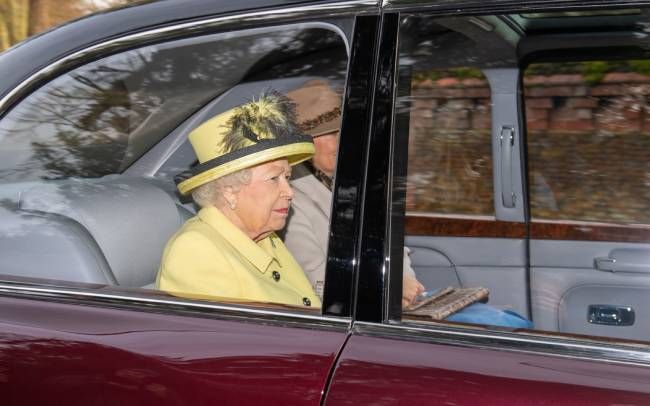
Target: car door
90, 202
393, 357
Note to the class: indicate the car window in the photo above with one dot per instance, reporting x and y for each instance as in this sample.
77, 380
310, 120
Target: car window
70, 215
588, 169
450, 72
449, 102
578, 262
588, 140
100, 118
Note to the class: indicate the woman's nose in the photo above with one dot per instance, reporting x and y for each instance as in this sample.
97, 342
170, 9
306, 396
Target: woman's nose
287, 189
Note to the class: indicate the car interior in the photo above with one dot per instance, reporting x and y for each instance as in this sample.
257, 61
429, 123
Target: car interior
564, 291
112, 229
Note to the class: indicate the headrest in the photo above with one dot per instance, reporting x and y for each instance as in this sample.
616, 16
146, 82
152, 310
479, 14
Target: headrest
131, 220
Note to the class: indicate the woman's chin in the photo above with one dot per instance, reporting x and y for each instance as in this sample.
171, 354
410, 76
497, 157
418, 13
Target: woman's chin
280, 224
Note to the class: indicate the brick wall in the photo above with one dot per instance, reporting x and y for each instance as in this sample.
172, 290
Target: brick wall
588, 144
617, 104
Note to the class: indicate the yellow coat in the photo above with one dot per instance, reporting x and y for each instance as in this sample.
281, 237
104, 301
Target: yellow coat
210, 256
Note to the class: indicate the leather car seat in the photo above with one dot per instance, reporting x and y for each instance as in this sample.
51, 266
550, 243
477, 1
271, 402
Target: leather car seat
128, 219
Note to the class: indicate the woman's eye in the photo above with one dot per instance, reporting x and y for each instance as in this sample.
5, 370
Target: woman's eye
277, 177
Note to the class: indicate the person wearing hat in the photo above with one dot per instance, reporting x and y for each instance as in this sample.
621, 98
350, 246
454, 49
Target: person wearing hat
230, 249
319, 115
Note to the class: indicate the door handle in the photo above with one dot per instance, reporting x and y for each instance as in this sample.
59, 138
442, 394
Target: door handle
507, 140
624, 260
610, 315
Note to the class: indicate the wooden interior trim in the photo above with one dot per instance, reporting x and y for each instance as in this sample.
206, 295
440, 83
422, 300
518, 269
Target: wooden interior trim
431, 225
583, 231
462, 227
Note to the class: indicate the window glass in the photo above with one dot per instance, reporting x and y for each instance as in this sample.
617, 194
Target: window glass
444, 98
447, 99
100, 118
580, 265
450, 164
589, 140
64, 220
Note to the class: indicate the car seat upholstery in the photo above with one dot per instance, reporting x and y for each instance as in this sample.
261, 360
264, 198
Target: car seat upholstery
129, 219
50, 246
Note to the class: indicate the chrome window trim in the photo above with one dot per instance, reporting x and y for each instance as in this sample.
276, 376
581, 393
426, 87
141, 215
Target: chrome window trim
174, 307
533, 343
499, 6
213, 24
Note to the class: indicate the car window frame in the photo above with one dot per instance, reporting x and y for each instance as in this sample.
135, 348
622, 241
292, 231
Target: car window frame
114, 297
389, 259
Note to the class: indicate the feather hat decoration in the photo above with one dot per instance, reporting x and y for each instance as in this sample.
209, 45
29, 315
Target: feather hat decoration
261, 130
272, 115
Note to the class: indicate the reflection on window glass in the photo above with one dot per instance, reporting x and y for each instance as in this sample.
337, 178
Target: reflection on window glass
448, 105
100, 118
445, 107
449, 167
589, 140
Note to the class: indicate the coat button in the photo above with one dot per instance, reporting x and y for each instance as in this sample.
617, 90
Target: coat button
306, 301
276, 276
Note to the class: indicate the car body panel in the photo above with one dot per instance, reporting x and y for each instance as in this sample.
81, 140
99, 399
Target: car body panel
371, 371
112, 346
83, 355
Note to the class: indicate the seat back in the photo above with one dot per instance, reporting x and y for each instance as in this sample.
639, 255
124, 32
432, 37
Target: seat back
50, 246
130, 219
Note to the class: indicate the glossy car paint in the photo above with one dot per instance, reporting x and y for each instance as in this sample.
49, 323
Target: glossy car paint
71, 354
375, 370
81, 352
343, 253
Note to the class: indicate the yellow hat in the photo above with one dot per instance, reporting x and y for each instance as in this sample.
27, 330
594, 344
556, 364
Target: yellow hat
318, 108
256, 132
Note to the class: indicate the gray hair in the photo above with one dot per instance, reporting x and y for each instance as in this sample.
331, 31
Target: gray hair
211, 193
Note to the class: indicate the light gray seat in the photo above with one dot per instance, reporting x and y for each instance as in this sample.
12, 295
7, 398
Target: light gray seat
128, 219
50, 246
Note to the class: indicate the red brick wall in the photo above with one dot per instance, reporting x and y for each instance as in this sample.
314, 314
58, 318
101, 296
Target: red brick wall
588, 145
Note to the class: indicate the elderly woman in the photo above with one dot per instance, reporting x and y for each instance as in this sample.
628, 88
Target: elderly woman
319, 114
230, 249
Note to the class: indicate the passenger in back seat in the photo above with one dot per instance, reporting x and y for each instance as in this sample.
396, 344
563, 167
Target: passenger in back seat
230, 249
306, 235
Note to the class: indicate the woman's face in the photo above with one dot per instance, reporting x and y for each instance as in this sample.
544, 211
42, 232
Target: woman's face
262, 205
325, 157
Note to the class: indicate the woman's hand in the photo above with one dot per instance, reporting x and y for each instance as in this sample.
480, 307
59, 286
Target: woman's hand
411, 288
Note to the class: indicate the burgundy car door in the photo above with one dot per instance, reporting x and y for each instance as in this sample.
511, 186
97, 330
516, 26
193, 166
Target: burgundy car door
81, 351
410, 365
391, 358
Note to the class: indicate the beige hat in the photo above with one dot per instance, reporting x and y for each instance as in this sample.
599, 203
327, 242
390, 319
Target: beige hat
318, 108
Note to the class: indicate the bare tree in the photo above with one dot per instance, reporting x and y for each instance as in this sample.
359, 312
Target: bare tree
22, 18
14, 23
